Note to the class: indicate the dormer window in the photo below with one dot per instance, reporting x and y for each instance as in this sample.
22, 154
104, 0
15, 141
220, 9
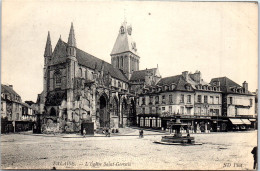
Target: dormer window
172, 87
165, 88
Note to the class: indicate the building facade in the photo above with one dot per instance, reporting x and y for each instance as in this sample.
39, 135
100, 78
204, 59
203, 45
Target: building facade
220, 105
15, 115
79, 87
238, 104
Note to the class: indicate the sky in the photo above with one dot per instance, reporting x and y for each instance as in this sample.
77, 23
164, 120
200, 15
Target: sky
217, 38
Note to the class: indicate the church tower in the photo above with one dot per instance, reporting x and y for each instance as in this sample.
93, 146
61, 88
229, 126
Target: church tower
124, 55
47, 60
72, 65
71, 58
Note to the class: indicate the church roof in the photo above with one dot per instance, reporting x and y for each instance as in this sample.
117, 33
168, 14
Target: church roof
59, 55
124, 42
140, 75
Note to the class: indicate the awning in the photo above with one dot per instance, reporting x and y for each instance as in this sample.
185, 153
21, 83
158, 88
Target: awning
236, 121
252, 120
246, 121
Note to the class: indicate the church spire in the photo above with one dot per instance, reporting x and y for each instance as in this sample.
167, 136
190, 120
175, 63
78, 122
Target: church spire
71, 49
48, 47
72, 40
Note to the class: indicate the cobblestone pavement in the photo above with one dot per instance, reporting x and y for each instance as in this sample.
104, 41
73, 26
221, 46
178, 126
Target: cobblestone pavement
224, 151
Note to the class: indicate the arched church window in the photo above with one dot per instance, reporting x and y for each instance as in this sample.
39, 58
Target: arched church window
57, 77
122, 61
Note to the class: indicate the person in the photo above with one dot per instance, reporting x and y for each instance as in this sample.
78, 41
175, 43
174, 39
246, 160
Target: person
254, 152
107, 132
141, 133
84, 132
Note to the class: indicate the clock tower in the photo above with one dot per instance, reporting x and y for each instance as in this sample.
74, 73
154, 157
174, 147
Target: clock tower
124, 55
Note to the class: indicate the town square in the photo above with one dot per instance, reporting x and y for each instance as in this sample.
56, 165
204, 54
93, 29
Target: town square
128, 152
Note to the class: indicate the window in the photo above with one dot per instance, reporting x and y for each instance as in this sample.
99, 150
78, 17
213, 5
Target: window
150, 110
122, 61
143, 100
156, 99
217, 99
163, 99
170, 109
199, 110
163, 108
251, 102
57, 78
199, 98
211, 99
211, 112
189, 99
143, 110
182, 98
170, 98
205, 99
230, 100
182, 110
188, 111
156, 110
217, 112
151, 99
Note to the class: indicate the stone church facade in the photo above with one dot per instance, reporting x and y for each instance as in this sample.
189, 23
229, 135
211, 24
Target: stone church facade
79, 87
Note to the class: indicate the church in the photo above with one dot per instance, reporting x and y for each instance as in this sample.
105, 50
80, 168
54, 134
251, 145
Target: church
79, 87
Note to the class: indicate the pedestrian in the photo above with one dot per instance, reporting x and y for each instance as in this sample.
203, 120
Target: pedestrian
254, 152
141, 133
84, 132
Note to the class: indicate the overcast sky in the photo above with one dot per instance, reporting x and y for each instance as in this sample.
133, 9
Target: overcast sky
216, 38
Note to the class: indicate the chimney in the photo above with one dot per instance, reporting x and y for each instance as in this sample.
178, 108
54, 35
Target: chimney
245, 86
11, 86
185, 74
197, 76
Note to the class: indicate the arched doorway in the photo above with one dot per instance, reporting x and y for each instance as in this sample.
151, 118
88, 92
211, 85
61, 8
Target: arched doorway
124, 112
114, 109
114, 112
104, 116
53, 112
132, 113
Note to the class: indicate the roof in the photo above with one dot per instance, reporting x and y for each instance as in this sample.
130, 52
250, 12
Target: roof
7, 89
124, 42
59, 56
226, 84
169, 80
180, 82
140, 75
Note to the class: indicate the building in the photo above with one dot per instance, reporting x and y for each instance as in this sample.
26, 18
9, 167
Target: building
185, 95
81, 88
15, 115
11, 103
238, 104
